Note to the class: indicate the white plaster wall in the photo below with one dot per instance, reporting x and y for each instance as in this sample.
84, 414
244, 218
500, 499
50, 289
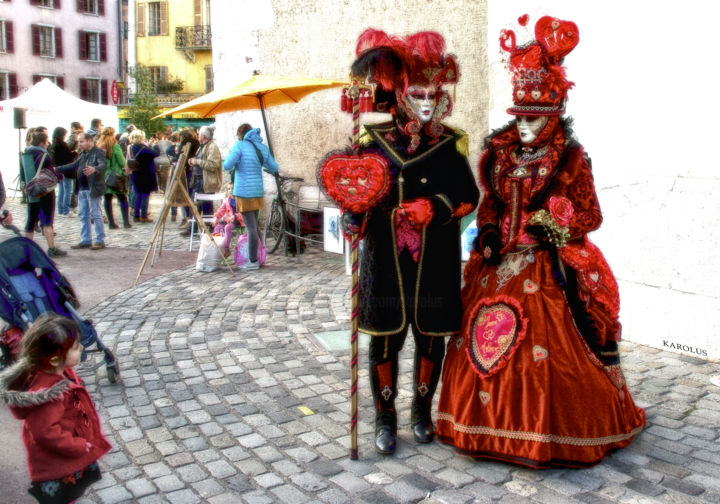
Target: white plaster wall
643, 111
25, 64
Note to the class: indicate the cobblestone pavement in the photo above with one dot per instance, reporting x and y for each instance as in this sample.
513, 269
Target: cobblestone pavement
228, 396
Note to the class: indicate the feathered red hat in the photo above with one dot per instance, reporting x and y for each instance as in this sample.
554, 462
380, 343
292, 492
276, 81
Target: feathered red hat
539, 83
398, 62
395, 63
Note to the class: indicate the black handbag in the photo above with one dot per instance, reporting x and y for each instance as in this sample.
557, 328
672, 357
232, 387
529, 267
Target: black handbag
116, 182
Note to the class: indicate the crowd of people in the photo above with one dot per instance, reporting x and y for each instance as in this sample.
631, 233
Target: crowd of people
97, 165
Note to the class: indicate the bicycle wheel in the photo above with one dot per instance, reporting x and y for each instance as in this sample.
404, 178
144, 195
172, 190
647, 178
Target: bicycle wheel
274, 228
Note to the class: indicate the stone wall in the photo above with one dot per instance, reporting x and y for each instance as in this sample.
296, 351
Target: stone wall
317, 39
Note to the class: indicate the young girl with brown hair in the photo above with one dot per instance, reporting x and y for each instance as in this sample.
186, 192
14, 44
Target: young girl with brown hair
61, 429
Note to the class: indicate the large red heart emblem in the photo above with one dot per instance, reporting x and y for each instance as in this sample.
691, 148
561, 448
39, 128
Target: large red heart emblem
558, 37
355, 181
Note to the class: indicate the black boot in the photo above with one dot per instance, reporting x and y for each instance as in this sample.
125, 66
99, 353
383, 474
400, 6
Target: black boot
109, 212
427, 375
124, 213
383, 379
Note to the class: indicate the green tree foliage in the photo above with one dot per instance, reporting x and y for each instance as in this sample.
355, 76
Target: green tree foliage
144, 104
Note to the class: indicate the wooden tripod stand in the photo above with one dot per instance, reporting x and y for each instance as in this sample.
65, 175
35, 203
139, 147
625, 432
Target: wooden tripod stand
176, 189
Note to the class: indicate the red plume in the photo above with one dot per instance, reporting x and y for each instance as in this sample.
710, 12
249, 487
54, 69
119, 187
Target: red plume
523, 20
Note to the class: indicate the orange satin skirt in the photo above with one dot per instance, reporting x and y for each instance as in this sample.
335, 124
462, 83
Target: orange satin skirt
520, 384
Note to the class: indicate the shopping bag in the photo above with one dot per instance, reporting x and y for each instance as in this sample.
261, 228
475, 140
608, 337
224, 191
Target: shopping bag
209, 258
241, 255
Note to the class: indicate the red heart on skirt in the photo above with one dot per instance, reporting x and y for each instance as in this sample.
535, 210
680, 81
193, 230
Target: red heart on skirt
355, 181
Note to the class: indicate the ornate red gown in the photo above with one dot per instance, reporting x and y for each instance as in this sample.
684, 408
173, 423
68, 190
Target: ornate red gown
534, 376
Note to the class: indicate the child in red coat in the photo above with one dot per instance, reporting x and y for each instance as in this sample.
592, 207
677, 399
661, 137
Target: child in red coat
61, 429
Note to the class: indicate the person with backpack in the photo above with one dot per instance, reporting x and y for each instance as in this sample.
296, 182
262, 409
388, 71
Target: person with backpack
246, 160
41, 209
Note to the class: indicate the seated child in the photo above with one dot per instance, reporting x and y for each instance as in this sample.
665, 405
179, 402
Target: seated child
226, 218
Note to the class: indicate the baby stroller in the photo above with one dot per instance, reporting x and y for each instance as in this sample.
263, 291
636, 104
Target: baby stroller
30, 285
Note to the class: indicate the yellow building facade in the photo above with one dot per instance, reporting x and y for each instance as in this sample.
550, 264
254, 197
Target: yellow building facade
173, 40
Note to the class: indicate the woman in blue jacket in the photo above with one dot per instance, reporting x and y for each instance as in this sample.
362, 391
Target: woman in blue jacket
246, 160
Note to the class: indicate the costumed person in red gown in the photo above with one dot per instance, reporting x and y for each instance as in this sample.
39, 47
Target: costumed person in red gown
410, 255
534, 377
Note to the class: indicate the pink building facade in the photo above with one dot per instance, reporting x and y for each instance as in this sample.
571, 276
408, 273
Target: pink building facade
74, 43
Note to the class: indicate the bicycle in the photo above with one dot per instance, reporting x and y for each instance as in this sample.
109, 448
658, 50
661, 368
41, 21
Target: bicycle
276, 230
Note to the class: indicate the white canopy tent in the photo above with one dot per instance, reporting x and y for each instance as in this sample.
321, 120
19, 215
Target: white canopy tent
46, 105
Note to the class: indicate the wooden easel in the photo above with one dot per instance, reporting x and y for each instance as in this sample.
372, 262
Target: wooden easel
178, 190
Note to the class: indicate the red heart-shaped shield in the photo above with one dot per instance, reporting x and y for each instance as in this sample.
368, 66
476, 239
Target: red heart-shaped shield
558, 37
355, 181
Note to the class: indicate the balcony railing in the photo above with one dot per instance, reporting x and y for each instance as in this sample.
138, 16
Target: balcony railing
193, 37
170, 100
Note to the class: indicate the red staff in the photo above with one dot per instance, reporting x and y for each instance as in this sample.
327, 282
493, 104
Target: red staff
356, 181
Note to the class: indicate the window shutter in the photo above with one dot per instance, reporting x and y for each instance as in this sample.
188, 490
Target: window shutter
34, 2
163, 74
140, 19
9, 37
36, 78
58, 43
56, 4
12, 85
81, 5
103, 47
35, 35
82, 45
163, 18
104, 92
197, 14
83, 89
101, 7
60, 81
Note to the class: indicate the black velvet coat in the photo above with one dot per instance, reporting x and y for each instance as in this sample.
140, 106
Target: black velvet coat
394, 290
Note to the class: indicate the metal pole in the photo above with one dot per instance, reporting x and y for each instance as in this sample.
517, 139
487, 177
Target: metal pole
267, 132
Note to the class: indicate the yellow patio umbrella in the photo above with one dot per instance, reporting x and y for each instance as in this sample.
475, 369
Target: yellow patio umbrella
258, 92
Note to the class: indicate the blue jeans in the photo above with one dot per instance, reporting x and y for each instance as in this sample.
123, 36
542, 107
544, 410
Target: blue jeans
89, 208
141, 204
65, 189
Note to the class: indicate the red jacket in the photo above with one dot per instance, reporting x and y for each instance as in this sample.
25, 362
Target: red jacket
59, 419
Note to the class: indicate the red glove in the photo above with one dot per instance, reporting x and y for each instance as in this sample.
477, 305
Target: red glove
419, 212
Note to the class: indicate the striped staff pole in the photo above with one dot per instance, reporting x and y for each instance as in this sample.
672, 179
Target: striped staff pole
355, 94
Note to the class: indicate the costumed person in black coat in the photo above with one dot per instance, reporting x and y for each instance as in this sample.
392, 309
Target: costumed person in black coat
410, 258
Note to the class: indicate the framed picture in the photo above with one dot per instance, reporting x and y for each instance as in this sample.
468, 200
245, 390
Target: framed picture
466, 240
333, 239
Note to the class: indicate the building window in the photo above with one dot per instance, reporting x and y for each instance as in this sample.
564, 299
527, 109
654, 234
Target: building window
8, 85
157, 74
92, 41
46, 41
94, 90
157, 21
91, 7
92, 46
154, 18
45, 3
208, 78
58, 80
7, 39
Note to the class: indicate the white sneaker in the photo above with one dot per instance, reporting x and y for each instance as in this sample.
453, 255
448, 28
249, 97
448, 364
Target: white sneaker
251, 265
